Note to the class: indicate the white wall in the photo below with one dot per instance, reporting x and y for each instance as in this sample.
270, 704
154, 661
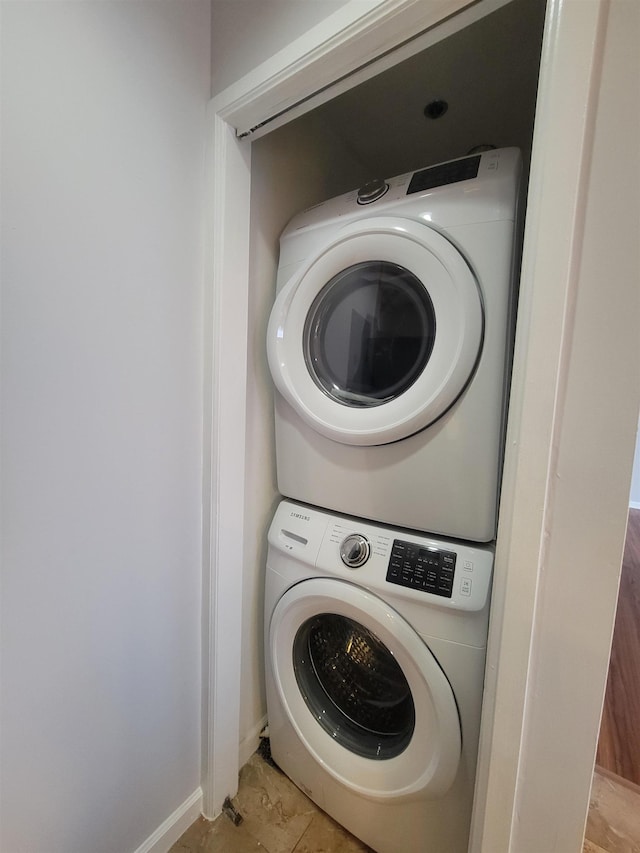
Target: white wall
103, 121
246, 32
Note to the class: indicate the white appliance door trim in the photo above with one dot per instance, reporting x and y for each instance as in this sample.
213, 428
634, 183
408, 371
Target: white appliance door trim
459, 323
429, 763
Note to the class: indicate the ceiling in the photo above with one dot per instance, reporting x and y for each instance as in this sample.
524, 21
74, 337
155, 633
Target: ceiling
487, 73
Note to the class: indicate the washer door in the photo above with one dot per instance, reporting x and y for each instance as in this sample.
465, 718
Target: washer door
375, 337
363, 692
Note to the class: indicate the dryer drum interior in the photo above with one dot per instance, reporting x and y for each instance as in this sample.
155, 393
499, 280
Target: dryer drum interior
353, 686
369, 333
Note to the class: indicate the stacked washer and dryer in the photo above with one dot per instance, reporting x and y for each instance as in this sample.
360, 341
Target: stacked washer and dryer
389, 346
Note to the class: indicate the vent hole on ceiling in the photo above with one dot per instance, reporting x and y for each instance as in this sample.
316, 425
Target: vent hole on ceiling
436, 109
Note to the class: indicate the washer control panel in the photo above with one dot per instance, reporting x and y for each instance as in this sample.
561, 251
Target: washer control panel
424, 568
407, 566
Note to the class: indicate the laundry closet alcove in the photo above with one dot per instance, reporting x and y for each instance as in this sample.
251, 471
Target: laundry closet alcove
552, 422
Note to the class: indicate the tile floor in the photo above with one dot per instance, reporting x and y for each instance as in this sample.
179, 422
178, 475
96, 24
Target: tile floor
278, 818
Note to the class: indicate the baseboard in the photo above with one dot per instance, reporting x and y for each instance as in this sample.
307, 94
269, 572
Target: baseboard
170, 831
251, 741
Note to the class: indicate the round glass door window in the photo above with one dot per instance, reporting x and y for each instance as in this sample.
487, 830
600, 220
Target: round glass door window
353, 686
369, 334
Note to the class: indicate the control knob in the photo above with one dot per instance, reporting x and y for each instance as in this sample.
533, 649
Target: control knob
372, 191
355, 550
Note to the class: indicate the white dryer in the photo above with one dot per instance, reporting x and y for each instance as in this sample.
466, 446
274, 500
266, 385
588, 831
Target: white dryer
389, 345
375, 655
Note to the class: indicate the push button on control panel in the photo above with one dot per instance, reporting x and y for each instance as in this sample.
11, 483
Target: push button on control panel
426, 569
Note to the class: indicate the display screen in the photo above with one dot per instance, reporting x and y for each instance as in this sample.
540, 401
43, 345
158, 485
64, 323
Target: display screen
446, 173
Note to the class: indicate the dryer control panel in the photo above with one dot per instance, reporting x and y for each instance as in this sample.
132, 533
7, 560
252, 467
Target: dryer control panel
423, 568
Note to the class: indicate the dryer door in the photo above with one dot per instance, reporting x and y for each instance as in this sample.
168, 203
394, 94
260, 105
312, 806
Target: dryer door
375, 337
363, 692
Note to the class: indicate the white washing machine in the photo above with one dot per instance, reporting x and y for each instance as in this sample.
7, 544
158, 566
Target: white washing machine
375, 655
389, 345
